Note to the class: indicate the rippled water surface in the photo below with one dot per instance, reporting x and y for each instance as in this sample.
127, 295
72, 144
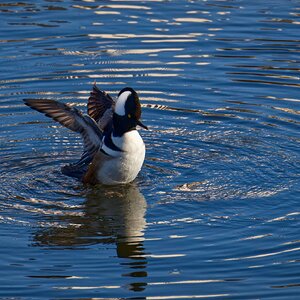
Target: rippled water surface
215, 211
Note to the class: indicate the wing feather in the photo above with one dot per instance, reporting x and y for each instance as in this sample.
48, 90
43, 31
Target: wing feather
74, 120
99, 103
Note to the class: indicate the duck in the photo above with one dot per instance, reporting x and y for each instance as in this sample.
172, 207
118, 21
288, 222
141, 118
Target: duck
113, 150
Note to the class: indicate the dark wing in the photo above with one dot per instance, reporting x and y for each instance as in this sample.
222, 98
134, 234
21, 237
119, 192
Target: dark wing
99, 103
73, 119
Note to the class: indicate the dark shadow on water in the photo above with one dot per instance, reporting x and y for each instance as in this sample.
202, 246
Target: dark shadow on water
110, 216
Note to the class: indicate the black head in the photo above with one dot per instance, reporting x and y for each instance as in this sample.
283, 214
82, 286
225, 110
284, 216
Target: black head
127, 112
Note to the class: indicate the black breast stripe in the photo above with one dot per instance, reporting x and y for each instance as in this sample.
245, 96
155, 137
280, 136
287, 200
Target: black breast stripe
104, 152
110, 144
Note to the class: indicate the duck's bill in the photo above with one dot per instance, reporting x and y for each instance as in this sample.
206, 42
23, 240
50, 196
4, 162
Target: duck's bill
141, 124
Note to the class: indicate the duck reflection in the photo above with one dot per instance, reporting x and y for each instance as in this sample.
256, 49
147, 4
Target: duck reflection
110, 215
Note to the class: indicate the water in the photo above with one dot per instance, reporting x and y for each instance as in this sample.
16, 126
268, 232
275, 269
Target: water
215, 211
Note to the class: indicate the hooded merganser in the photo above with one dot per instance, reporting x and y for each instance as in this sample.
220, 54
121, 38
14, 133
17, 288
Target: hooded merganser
114, 151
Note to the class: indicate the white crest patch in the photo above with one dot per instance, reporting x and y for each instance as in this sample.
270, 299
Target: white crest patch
120, 104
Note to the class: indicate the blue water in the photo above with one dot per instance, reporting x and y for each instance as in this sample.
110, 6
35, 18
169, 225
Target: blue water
215, 211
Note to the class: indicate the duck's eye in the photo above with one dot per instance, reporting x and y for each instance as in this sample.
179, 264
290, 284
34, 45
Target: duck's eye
129, 116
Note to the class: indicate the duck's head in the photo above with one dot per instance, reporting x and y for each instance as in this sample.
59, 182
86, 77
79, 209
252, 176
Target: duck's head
127, 111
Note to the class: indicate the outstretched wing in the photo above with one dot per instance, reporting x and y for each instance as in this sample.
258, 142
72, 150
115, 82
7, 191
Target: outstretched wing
73, 119
100, 107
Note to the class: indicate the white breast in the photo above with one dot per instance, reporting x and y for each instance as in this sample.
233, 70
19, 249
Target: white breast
125, 167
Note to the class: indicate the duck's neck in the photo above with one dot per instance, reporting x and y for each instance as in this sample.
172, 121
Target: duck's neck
121, 125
